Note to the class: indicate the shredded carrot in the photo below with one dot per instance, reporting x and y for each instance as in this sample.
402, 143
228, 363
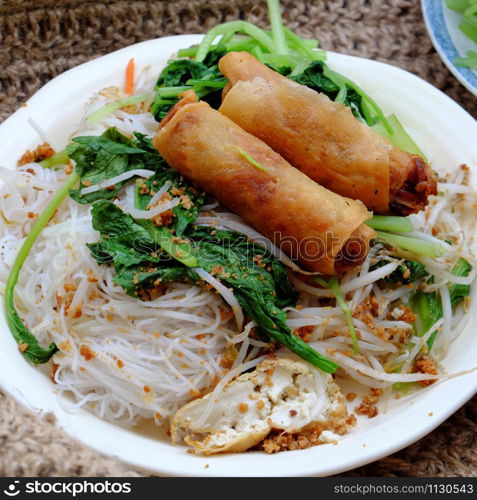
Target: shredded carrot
129, 85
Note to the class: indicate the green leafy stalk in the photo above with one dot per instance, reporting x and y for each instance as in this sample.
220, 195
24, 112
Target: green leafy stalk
168, 92
457, 5
206, 83
469, 29
182, 252
334, 286
60, 158
105, 111
390, 223
30, 346
303, 47
470, 61
278, 32
414, 245
233, 27
399, 136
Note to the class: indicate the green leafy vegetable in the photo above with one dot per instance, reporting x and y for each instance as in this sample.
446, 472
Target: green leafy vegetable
183, 74
459, 292
405, 273
101, 158
29, 345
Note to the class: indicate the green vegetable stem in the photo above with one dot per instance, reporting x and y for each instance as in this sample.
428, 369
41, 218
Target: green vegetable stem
27, 342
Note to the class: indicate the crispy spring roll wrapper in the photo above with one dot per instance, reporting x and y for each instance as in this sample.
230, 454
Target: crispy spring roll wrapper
324, 230
323, 139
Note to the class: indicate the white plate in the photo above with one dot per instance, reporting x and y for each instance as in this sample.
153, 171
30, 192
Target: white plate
443, 27
447, 135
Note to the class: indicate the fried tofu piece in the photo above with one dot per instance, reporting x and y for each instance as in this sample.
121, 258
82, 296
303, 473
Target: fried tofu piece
280, 394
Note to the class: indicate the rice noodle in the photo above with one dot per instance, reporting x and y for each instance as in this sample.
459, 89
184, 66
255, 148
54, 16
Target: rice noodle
420, 342
153, 212
159, 193
118, 178
226, 293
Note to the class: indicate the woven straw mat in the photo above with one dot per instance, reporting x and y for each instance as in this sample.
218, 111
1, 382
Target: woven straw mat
42, 38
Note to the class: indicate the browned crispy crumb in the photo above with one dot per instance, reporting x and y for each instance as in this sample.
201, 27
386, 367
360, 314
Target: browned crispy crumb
425, 365
350, 396
350, 421
366, 312
218, 269
86, 352
22, 346
191, 451
229, 356
408, 316
195, 393
281, 441
186, 202
39, 153
368, 404
68, 169
243, 407
304, 332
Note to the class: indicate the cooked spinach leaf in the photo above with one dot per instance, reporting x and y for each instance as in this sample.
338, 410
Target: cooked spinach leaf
405, 273
182, 74
101, 158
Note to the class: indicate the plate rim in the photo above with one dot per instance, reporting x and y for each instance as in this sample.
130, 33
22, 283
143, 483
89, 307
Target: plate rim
170, 469
433, 14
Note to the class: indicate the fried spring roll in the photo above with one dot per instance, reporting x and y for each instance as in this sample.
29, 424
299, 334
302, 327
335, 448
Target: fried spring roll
322, 229
323, 139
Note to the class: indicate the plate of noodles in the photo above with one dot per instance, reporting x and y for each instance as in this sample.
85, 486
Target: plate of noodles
237, 254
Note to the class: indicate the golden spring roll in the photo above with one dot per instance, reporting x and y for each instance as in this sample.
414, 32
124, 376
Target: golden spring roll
322, 229
323, 139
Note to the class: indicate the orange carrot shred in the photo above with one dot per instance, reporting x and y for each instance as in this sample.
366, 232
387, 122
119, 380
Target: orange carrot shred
129, 85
